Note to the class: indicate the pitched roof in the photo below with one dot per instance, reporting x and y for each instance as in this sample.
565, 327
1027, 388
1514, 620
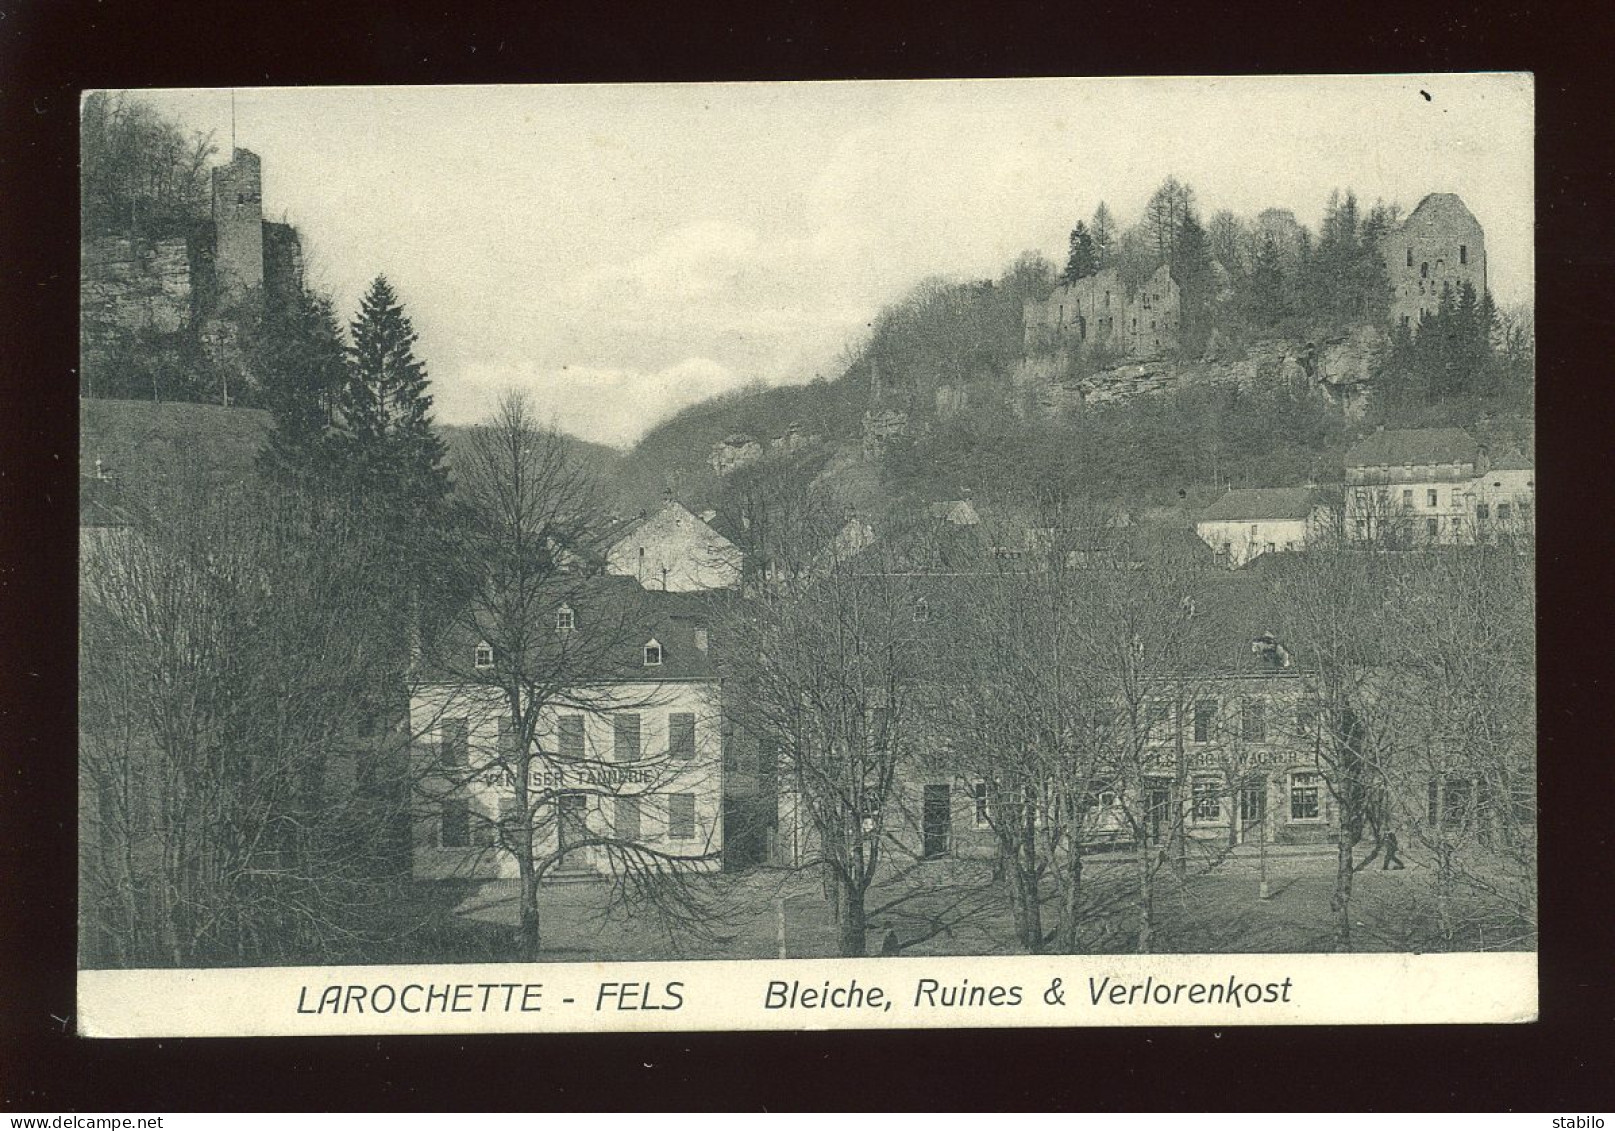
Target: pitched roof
1412, 446
1512, 461
1259, 503
631, 615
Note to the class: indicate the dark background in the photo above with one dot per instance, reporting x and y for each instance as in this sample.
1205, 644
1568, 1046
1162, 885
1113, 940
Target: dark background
51, 49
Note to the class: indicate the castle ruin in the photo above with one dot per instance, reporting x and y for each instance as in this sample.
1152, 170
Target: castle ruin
1439, 244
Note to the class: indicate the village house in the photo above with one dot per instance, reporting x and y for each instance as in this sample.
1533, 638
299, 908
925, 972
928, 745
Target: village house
1244, 524
675, 552
1433, 486
632, 758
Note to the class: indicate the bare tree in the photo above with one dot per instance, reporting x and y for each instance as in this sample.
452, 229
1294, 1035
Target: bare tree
828, 667
232, 808
539, 643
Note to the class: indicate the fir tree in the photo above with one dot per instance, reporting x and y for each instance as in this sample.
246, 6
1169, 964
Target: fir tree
304, 369
386, 445
1103, 233
1081, 261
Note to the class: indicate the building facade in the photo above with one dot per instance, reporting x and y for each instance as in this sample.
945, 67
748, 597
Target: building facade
1243, 525
623, 769
1434, 486
673, 551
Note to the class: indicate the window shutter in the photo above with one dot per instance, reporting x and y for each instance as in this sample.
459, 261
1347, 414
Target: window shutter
625, 737
681, 736
681, 816
571, 736
627, 818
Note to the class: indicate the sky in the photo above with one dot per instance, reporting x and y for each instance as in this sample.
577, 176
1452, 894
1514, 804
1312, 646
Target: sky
619, 252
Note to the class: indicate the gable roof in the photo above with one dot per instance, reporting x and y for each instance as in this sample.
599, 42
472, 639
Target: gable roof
632, 615
1408, 447
1261, 503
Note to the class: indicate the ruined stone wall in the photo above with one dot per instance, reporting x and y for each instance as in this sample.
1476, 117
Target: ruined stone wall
1439, 243
1096, 312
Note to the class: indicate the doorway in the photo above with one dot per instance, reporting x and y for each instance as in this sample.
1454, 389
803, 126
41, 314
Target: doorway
1252, 809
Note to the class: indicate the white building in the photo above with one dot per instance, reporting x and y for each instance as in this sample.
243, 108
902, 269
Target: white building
1243, 525
673, 551
631, 760
1433, 486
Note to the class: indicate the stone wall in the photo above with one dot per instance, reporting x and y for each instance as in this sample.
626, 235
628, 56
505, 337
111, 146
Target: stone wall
1439, 244
132, 285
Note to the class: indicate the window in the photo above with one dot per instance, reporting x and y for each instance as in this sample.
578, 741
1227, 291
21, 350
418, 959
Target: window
767, 759
653, 654
1502, 512
880, 726
1304, 797
681, 736
571, 736
1410, 257
625, 737
1157, 718
1483, 511
1207, 800
1432, 526
936, 822
1227, 549
1424, 270
1407, 497
483, 832
1430, 498
1271, 547
1253, 720
1463, 253
627, 813
452, 743
507, 738
1205, 715
1306, 721
484, 658
565, 619
681, 816
454, 826
978, 794
922, 610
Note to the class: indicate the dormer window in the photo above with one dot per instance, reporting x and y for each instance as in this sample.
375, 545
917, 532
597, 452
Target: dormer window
565, 619
484, 657
922, 610
653, 654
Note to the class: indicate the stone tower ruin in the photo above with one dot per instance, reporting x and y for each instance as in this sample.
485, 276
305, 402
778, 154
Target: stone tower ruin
238, 215
1439, 243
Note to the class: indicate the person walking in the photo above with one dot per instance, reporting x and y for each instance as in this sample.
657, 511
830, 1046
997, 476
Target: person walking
1392, 860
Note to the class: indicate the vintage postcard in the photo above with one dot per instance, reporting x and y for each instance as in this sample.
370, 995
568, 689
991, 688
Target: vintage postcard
807, 555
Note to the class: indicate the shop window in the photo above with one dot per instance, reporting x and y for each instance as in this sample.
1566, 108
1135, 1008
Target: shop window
627, 818
1207, 799
625, 736
681, 736
453, 742
681, 816
1205, 715
1253, 720
454, 825
1304, 797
